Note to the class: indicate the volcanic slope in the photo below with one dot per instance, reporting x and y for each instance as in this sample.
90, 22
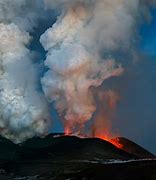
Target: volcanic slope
69, 157
71, 147
133, 148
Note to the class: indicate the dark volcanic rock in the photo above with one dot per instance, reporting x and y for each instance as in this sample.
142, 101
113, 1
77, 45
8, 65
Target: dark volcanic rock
141, 170
134, 148
8, 150
69, 157
71, 147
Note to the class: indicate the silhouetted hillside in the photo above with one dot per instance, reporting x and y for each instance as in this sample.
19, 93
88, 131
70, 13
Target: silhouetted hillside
72, 147
134, 148
68, 157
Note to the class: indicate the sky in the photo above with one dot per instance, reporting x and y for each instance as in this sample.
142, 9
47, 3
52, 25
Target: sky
148, 38
136, 111
58, 58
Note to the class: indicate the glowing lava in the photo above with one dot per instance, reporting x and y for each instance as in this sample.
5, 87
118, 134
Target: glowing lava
98, 131
67, 131
114, 141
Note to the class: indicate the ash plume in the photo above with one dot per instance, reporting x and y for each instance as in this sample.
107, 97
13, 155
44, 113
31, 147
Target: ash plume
23, 109
75, 44
81, 47
24, 13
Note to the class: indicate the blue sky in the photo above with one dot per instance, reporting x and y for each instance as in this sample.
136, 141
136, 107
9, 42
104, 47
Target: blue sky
136, 112
148, 36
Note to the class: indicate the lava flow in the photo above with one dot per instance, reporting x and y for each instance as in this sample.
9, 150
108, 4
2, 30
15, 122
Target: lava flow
114, 141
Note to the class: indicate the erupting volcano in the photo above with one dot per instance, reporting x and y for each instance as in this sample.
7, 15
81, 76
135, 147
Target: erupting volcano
78, 66
105, 136
101, 125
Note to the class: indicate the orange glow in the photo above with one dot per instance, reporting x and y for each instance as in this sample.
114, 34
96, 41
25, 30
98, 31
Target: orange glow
102, 125
114, 141
67, 131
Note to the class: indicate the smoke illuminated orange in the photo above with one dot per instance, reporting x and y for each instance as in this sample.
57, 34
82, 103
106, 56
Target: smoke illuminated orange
67, 131
101, 128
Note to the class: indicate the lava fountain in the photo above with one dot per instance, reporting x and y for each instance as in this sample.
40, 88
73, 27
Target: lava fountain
114, 141
102, 120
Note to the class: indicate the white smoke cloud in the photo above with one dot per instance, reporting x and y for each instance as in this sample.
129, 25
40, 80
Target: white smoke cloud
23, 108
24, 13
74, 43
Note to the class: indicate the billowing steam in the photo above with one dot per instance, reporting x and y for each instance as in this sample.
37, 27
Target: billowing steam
24, 13
84, 31
80, 50
23, 110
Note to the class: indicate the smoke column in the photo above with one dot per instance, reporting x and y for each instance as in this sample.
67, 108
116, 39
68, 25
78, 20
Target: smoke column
75, 44
80, 58
102, 121
23, 109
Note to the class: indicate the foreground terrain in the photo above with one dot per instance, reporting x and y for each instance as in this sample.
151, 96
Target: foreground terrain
73, 158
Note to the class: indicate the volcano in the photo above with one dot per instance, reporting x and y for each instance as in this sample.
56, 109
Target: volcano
57, 156
133, 148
